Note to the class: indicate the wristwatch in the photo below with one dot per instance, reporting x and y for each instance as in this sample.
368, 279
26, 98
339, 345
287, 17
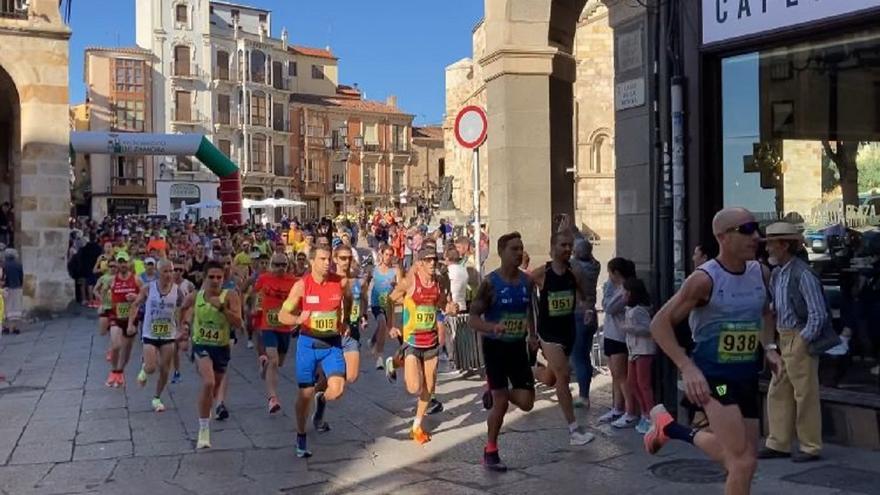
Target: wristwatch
772, 347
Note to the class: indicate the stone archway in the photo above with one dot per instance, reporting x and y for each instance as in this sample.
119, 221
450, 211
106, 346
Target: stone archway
10, 148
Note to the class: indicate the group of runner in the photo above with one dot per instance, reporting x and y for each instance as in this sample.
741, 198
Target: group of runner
324, 303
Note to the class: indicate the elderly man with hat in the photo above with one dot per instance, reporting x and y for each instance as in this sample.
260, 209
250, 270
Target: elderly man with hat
802, 319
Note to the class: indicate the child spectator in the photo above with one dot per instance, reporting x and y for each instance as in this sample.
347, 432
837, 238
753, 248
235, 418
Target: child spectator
641, 347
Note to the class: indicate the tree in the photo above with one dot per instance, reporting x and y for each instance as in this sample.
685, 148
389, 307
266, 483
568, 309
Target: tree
845, 156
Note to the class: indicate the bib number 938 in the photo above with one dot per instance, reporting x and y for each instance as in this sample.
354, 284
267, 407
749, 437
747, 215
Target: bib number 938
738, 343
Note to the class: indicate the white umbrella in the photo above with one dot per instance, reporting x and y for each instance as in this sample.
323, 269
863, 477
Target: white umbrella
249, 204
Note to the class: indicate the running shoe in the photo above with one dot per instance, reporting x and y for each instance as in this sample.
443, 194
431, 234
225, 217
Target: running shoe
264, 365
204, 441
434, 407
221, 413
625, 421
656, 437
175, 378
610, 416
250, 344
492, 462
580, 437
380, 364
157, 405
643, 426
302, 450
111, 379
318, 417
420, 435
120, 379
274, 406
390, 372
142, 377
581, 402
488, 400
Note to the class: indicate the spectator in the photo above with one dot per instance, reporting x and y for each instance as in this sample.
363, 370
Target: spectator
586, 268
641, 348
7, 224
13, 281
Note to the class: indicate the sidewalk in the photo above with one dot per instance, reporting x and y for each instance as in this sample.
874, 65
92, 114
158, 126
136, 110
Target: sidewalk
62, 431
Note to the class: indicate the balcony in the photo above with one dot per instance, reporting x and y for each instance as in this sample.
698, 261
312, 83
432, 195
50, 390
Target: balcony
281, 126
13, 9
129, 186
186, 117
401, 157
282, 84
184, 71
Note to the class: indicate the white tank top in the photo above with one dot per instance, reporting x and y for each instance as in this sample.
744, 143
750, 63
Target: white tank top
160, 313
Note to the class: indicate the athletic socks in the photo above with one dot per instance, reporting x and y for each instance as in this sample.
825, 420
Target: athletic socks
204, 423
417, 423
680, 432
301, 441
491, 447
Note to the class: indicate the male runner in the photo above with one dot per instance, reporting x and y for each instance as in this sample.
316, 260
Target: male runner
233, 280
215, 311
162, 300
727, 302
123, 291
421, 298
343, 257
385, 276
102, 290
502, 311
271, 290
556, 328
316, 303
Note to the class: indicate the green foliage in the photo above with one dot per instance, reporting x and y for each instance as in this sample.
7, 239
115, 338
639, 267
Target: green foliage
869, 166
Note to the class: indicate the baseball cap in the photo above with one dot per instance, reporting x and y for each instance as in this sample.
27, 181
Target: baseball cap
427, 252
150, 261
122, 256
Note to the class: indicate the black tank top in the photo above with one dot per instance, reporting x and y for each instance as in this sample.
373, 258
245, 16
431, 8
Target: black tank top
556, 304
195, 273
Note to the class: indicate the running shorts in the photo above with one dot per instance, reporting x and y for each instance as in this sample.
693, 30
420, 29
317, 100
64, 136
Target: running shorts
278, 340
157, 343
422, 354
612, 347
311, 352
350, 344
507, 365
218, 354
566, 340
744, 394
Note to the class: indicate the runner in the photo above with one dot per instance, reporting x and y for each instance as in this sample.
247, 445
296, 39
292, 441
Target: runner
316, 303
421, 298
233, 279
384, 278
558, 285
727, 302
271, 290
102, 290
502, 311
162, 300
351, 347
123, 291
215, 311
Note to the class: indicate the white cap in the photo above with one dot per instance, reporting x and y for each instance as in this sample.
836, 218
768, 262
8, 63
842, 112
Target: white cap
150, 261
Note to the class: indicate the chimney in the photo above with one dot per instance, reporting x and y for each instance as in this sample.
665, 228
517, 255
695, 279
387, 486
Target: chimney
284, 38
391, 101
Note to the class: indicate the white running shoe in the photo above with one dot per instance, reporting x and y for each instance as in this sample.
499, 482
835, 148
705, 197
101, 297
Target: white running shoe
380, 363
250, 344
204, 441
580, 437
625, 421
610, 416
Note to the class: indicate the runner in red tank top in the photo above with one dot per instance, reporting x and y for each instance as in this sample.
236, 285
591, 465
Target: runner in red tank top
271, 289
123, 291
318, 304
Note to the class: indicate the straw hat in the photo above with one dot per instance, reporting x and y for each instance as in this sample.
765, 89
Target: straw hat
783, 231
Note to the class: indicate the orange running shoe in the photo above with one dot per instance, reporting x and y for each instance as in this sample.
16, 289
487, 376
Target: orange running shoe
656, 438
111, 379
120, 379
420, 435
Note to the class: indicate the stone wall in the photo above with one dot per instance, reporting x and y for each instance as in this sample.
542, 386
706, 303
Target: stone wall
35, 55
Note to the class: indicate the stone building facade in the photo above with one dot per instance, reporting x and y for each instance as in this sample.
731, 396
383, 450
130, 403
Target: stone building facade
429, 165
34, 141
589, 173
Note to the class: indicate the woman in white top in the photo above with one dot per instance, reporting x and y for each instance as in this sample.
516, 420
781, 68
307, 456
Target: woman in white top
622, 413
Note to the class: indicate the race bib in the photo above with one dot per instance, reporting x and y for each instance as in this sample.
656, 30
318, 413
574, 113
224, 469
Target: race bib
425, 317
210, 335
161, 328
383, 300
560, 303
355, 312
272, 318
323, 321
738, 342
123, 309
514, 324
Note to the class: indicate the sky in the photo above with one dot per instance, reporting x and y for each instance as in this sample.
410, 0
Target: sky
387, 47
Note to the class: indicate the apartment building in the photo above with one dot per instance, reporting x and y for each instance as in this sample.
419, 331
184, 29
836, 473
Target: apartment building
351, 153
118, 99
219, 72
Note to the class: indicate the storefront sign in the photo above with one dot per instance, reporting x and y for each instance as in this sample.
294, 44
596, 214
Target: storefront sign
629, 94
188, 191
729, 19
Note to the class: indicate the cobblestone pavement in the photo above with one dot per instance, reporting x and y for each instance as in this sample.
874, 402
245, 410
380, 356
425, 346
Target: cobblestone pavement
62, 431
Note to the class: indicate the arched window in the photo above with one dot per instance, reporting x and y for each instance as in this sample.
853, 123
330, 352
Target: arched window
602, 160
258, 66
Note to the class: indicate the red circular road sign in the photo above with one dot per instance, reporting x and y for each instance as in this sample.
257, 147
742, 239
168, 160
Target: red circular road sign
471, 126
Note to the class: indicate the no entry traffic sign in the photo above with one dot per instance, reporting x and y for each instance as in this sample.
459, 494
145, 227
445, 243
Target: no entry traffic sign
471, 126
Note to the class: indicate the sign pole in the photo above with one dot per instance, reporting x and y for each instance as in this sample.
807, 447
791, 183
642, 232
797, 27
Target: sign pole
476, 172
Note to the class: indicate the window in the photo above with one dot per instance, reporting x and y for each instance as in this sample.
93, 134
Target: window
185, 164
223, 65
258, 153
181, 13
258, 109
369, 182
182, 106
317, 71
181, 61
398, 138
129, 171
235, 14
278, 161
129, 115
223, 109
278, 75
258, 66
441, 166
291, 69
129, 76
313, 172
371, 134
602, 161
225, 147
262, 18
398, 178
278, 117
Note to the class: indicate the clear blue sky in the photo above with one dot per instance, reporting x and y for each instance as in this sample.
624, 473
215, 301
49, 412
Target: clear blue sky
398, 47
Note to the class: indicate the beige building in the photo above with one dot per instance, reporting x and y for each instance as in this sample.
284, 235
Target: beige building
582, 178
429, 165
34, 142
119, 99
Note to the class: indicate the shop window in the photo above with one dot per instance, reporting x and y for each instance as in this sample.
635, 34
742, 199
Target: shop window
801, 143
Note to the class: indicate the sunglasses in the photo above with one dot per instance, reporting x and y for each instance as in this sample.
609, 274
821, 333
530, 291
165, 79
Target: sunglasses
748, 228
279, 264
178, 270
215, 277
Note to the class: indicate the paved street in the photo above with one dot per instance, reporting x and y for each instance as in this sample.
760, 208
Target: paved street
62, 431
